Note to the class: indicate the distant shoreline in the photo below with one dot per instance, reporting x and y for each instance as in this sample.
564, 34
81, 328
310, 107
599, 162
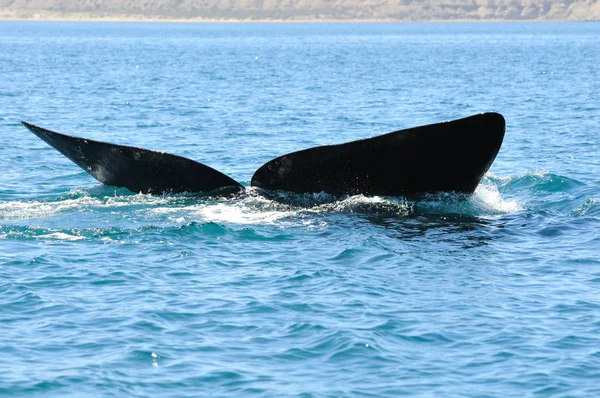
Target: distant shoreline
315, 11
312, 11
301, 17
274, 21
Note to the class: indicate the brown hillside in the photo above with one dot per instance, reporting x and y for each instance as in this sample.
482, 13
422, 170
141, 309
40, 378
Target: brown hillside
277, 10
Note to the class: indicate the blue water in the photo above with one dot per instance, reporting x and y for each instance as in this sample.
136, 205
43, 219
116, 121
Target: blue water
104, 292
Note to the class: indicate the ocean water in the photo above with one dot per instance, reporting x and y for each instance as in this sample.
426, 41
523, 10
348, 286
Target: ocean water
109, 293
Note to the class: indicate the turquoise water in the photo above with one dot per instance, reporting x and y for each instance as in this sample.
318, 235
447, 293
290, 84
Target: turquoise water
104, 292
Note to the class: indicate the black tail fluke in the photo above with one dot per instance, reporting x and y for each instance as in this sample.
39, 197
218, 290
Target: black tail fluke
449, 156
137, 169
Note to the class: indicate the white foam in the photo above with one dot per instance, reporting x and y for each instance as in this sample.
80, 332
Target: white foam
484, 202
251, 208
61, 236
38, 209
240, 214
359, 203
11, 210
488, 199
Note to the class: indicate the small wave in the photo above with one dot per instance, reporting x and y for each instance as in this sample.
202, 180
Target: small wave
61, 236
543, 190
35, 232
115, 235
540, 180
77, 201
485, 201
589, 207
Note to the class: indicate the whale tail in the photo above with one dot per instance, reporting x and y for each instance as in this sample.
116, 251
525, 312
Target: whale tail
448, 156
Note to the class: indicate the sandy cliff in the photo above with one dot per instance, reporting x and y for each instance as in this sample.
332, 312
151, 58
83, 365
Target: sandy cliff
274, 10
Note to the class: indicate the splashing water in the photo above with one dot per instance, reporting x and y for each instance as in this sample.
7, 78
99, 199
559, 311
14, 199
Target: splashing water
285, 209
